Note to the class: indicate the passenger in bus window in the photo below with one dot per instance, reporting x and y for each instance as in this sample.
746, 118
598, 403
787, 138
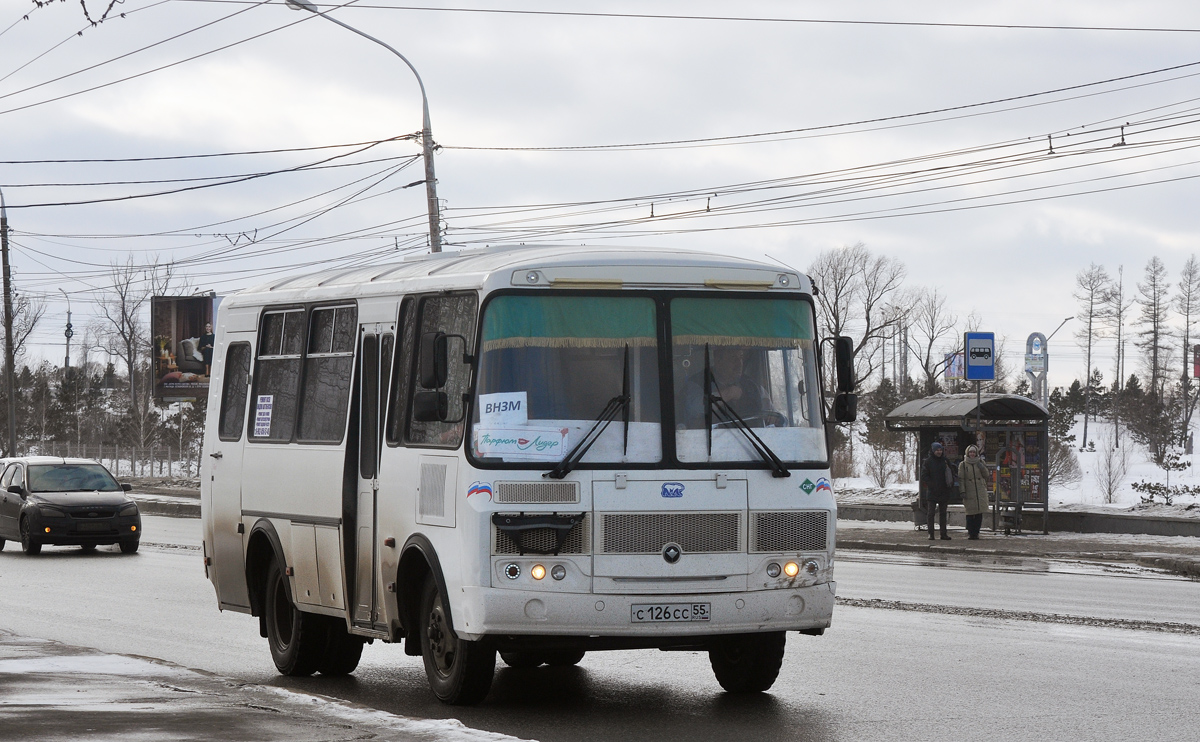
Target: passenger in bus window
731, 382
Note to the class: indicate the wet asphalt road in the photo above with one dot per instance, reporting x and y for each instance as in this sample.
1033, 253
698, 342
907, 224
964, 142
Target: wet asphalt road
877, 674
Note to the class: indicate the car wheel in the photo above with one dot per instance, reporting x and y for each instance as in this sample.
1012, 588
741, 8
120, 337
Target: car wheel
564, 658
747, 663
459, 671
342, 649
87, 548
1, 544
296, 638
522, 659
29, 543
129, 547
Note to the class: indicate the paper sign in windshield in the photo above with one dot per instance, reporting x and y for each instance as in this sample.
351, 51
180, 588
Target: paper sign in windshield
262, 415
503, 409
521, 443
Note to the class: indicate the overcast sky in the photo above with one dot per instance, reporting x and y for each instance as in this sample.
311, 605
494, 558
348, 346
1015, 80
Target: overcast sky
928, 143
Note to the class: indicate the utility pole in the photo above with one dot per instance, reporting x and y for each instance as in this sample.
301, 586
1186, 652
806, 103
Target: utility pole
8, 333
69, 333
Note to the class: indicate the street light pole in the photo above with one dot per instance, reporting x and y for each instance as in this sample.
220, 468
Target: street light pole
8, 333
69, 333
1046, 351
435, 217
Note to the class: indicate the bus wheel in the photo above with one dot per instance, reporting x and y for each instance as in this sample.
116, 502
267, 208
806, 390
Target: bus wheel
522, 659
296, 638
460, 672
564, 658
747, 663
342, 649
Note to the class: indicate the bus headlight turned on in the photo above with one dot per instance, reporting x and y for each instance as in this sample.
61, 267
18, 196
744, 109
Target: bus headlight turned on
791, 569
537, 572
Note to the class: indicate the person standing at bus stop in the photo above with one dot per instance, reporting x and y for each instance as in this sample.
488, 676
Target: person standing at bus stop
973, 479
937, 480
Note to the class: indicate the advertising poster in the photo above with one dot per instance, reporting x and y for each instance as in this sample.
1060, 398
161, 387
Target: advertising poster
182, 345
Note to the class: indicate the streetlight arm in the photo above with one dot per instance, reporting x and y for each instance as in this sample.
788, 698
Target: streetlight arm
1060, 326
435, 218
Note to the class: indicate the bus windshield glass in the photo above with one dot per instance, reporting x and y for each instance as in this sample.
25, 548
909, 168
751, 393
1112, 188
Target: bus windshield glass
552, 368
745, 363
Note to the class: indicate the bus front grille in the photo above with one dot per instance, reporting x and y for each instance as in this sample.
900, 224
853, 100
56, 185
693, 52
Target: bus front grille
648, 533
798, 530
542, 539
537, 492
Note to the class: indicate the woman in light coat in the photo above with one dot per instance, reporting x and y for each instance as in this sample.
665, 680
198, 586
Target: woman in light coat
975, 482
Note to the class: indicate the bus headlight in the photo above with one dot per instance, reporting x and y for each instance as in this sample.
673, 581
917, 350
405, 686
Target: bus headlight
812, 566
537, 572
772, 570
559, 572
791, 569
512, 570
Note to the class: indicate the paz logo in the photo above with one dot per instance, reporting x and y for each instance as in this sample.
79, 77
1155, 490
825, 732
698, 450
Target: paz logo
823, 485
482, 489
672, 489
808, 486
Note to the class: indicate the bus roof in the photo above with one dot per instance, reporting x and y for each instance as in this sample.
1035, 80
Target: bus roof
488, 268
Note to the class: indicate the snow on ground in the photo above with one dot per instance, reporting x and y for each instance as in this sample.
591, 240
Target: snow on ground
1084, 495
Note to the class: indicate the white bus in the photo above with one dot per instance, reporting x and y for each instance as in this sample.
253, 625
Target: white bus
532, 451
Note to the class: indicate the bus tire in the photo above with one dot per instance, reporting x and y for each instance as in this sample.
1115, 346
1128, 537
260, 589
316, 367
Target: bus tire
342, 649
29, 543
296, 638
747, 663
521, 659
459, 671
564, 657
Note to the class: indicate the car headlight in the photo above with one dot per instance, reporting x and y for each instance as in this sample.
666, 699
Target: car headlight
51, 512
129, 508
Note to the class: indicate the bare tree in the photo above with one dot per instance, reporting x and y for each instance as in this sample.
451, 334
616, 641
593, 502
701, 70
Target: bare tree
1116, 310
1187, 304
1152, 321
1112, 467
856, 299
1062, 465
26, 315
1091, 287
932, 326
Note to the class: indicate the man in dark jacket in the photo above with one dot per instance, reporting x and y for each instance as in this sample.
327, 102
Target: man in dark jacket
937, 482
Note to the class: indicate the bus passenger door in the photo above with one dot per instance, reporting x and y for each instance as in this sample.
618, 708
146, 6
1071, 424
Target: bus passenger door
372, 395
223, 466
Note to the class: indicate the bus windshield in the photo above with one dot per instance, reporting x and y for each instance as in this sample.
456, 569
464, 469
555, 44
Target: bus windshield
550, 367
745, 363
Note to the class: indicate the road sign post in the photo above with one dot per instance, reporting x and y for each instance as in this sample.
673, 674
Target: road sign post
980, 350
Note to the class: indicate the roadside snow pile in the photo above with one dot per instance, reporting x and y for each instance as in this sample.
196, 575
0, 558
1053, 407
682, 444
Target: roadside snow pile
1087, 494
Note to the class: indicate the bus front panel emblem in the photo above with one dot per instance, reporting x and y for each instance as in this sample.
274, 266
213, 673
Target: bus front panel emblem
671, 553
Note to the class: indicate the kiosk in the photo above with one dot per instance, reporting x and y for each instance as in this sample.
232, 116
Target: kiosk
1011, 432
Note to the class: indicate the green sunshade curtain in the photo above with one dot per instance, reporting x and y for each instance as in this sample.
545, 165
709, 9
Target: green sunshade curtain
764, 323
568, 322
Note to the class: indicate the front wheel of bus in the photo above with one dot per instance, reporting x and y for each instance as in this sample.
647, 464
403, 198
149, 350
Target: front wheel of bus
747, 663
296, 638
460, 672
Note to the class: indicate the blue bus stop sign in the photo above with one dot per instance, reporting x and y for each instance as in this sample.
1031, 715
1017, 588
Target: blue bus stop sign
981, 355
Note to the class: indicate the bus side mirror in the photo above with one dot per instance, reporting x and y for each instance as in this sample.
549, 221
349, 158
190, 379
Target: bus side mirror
845, 407
435, 360
431, 407
843, 355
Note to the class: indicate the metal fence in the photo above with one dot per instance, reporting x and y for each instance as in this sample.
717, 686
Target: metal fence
156, 461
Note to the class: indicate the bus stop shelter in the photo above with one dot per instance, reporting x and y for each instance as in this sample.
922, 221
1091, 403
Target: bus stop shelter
1011, 432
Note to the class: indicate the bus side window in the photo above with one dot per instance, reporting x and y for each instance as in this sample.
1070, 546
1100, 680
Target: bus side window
277, 377
397, 419
233, 391
453, 315
328, 369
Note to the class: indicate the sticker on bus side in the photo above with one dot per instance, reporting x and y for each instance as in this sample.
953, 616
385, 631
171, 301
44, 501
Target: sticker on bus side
262, 415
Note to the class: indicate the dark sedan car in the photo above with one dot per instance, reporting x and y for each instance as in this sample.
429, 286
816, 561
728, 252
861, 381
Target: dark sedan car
68, 502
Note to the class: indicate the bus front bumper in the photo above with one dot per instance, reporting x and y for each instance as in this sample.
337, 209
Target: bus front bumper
484, 611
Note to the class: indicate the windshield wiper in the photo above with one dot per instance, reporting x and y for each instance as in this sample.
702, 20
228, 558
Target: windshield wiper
619, 403
716, 403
